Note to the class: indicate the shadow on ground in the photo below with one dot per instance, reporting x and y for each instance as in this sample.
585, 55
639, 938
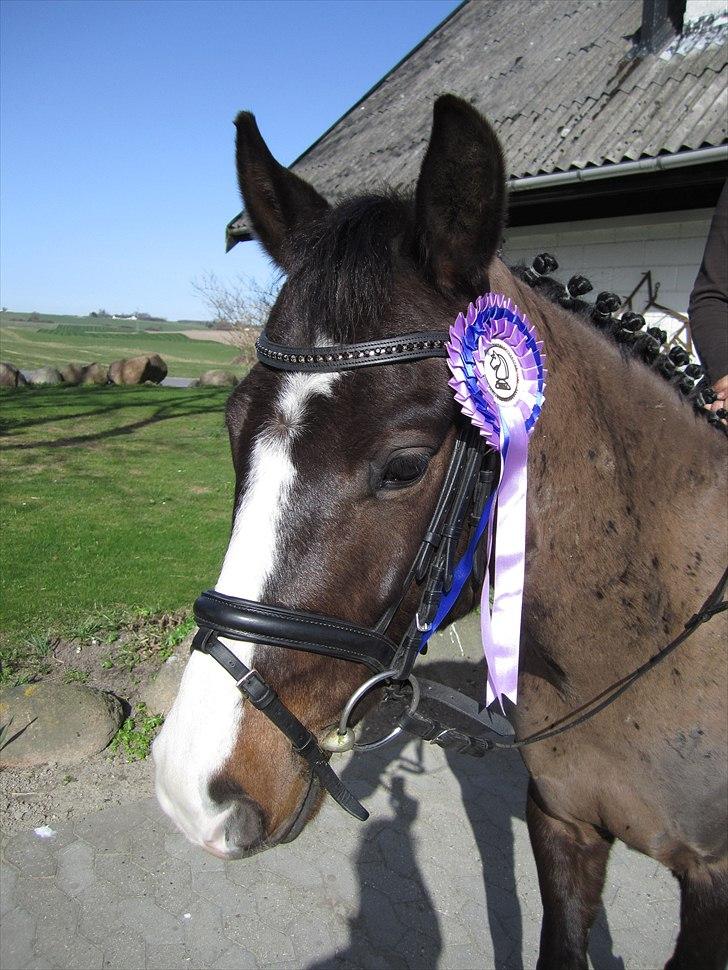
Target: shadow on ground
493, 792
110, 401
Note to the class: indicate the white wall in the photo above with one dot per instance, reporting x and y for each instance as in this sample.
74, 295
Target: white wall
614, 253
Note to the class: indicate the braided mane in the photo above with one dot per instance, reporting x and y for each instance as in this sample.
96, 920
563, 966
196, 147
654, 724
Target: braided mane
648, 344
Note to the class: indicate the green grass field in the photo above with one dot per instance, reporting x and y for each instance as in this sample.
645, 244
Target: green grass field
35, 320
113, 498
27, 348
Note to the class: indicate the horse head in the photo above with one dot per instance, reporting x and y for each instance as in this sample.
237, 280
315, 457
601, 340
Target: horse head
337, 473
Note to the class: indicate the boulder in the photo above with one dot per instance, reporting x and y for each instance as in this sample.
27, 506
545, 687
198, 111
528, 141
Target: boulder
160, 692
10, 376
62, 723
72, 373
45, 375
95, 374
217, 378
138, 370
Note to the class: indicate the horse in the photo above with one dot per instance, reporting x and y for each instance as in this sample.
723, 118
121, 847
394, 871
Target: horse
337, 475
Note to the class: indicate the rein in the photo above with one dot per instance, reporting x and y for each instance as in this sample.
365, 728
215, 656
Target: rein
467, 486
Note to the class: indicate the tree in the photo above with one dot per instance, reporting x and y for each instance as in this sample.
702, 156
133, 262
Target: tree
241, 306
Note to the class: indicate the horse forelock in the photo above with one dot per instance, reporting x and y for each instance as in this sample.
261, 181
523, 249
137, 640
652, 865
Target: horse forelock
342, 269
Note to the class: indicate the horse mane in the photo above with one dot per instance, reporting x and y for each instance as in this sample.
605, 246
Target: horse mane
342, 270
688, 378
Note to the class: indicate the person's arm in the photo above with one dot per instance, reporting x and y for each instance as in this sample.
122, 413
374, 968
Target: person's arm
708, 309
721, 389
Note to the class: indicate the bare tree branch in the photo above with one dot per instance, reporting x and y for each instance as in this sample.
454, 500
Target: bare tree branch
240, 307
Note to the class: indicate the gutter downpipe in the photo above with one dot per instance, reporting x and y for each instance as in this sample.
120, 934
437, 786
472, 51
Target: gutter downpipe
660, 163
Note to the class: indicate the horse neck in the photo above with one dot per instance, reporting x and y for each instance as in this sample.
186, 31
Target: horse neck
626, 496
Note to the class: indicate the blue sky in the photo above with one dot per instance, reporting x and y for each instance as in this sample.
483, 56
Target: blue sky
116, 140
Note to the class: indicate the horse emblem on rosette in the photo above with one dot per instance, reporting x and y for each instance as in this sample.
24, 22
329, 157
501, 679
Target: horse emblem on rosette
371, 444
501, 371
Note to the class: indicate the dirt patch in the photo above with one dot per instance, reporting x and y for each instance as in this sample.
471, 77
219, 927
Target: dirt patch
30, 797
217, 336
123, 661
119, 658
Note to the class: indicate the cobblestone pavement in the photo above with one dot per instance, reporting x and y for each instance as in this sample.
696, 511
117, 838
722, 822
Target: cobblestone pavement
441, 876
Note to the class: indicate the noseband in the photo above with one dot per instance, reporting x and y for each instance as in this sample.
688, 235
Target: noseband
466, 487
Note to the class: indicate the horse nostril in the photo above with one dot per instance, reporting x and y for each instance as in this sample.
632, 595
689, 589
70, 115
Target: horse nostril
245, 828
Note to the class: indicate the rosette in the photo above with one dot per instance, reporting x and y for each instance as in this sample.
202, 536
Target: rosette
498, 377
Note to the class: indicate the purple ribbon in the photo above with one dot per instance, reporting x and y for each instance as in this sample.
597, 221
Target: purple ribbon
498, 376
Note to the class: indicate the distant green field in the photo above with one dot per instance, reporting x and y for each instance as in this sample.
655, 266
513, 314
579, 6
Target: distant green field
36, 320
28, 348
113, 498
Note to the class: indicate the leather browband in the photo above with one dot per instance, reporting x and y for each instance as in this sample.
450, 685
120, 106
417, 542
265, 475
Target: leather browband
242, 619
387, 350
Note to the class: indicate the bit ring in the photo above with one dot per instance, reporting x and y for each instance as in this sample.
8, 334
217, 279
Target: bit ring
359, 694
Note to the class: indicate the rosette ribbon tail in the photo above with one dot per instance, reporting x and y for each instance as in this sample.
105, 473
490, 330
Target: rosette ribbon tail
501, 630
499, 377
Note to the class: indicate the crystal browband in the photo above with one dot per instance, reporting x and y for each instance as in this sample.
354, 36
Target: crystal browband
408, 347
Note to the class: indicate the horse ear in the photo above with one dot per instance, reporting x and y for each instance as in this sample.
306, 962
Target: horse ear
460, 199
276, 200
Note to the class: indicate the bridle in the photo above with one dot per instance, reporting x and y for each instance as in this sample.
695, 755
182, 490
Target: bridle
470, 478
465, 489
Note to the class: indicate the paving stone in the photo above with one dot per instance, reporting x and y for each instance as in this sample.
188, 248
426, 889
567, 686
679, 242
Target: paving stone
57, 922
172, 881
8, 879
99, 912
64, 833
76, 869
17, 939
31, 855
38, 963
270, 946
42, 895
175, 844
124, 950
244, 872
213, 885
204, 937
168, 956
155, 924
429, 883
70, 949
150, 808
235, 958
147, 844
308, 937
107, 830
463, 958
129, 879
272, 901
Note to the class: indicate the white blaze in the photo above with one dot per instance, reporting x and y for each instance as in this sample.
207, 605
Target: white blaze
200, 730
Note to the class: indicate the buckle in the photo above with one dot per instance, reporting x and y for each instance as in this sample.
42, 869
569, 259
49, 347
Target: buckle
422, 627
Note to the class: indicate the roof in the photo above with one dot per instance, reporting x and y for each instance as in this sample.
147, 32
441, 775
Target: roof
562, 81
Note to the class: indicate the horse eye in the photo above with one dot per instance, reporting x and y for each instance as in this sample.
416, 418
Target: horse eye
404, 469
